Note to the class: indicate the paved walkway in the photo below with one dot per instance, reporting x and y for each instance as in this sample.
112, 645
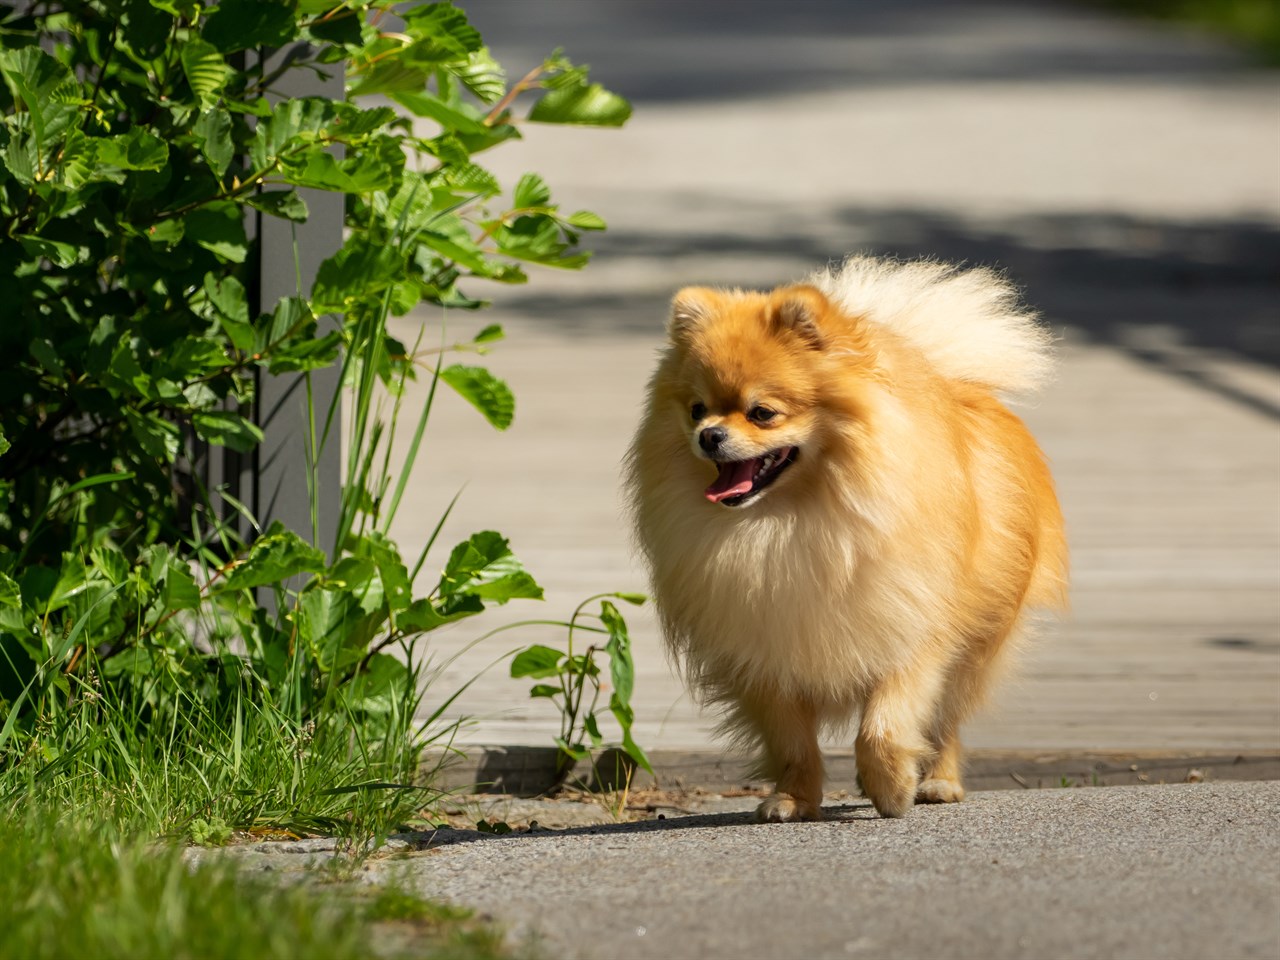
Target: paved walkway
1124, 174
1182, 871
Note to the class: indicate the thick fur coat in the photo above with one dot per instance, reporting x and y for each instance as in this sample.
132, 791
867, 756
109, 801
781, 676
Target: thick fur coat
841, 517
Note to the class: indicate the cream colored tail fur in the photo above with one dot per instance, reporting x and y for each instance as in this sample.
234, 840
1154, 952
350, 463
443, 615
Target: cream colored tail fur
970, 324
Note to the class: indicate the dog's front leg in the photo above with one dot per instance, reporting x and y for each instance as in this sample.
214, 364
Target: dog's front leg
891, 737
788, 729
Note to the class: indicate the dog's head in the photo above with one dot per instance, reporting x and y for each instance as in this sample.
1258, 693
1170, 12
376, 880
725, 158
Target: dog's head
749, 380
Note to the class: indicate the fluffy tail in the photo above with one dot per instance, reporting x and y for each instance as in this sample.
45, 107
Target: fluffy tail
971, 324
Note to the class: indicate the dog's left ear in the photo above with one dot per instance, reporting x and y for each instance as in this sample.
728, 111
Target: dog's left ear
800, 309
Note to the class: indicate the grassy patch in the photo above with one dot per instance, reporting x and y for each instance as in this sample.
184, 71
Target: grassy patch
70, 889
1254, 23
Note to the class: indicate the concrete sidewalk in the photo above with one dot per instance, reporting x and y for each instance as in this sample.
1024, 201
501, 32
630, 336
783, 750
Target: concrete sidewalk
1124, 174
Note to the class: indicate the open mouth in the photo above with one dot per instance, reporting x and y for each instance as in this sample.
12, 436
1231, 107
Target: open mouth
742, 480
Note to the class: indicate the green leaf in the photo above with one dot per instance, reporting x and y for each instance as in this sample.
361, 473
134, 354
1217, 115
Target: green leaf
240, 24
280, 203
484, 391
586, 220
483, 566
55, 251
274, 557
207, 73
531, 191
544, 690
228, 296
135, 150
537, 661
490, 334
10, 592
363, 266
483, 76
219, 228
227, 429
34, 78
4, 444
159, 438
587, 104
459, 118
333, 625
180, 590
213, 134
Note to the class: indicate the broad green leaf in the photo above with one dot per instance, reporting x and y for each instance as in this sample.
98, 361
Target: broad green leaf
135, 150
484, 391
544, 690
228, 296
180, 590
484, 568
588, 104
363, 172
621, 665
531, 191
490, 334
274, 557
111, 562
63, 254
219, 228
330, 623
537, 661
361, 267
421, 616
240, 24
4, 444
159, 438
213, 133
227, 429
459, 118
380, 686
395, 575
34, 77
280, 203
445, 26
483, 76
206, 71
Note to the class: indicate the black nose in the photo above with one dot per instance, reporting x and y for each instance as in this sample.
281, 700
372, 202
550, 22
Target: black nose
712, 437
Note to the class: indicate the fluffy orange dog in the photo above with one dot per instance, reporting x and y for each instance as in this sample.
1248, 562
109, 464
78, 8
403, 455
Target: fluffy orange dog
841, 517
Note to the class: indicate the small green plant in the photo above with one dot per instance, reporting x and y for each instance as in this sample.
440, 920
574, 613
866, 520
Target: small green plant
213, 832
577, 680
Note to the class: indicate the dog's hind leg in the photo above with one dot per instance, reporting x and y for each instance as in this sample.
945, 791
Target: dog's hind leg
966, 687
788, 730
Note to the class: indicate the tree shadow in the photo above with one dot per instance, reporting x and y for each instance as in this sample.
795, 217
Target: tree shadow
437, 839
656, 51
1171, 295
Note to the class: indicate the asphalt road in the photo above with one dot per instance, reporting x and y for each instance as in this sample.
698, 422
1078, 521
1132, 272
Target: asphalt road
1182, 871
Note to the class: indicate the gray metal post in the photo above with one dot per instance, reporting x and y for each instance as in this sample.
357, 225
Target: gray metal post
281, 409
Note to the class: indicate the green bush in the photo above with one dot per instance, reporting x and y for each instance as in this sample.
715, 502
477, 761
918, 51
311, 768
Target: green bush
136, 137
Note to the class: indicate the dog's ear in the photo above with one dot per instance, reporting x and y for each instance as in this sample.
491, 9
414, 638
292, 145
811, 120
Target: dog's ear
800, 309
689, 309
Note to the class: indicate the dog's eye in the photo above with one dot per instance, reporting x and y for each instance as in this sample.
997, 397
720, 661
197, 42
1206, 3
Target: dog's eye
761, 414
698, 411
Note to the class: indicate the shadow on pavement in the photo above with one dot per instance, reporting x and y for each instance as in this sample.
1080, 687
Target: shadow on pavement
844, 813
1164, 293
655, 51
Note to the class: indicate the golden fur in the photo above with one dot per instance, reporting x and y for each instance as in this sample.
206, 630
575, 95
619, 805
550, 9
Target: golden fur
885, 570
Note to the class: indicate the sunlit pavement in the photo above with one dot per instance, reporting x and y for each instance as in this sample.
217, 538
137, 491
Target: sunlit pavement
1123, 174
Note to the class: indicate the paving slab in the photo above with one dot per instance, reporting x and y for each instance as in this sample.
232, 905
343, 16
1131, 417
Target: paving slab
1123, 173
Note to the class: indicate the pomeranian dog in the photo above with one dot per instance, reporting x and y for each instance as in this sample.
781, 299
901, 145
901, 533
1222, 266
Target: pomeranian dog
841, 518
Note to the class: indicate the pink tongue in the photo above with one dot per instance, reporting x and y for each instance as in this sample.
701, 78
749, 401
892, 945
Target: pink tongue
734, 479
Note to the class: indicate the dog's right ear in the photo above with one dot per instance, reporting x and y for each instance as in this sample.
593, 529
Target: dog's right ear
689, 309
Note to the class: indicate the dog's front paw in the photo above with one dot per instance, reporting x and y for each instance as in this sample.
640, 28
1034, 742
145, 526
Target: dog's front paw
938, 790
784, 808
